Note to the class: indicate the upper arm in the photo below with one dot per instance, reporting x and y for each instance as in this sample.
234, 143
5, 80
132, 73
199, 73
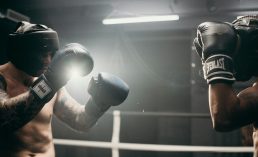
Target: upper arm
230, 110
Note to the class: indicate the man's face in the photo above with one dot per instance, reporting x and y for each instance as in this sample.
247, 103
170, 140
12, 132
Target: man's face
38, 63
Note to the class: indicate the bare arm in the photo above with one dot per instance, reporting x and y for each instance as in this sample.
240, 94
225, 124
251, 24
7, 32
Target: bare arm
230, 111
106, 90
77, 116
15, 112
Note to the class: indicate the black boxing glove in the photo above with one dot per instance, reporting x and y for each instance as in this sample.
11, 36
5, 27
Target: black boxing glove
56, 75
216, 43
106, 90
246, 58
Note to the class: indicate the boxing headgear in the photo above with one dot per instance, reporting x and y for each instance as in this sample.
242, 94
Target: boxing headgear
28, 42
246, 59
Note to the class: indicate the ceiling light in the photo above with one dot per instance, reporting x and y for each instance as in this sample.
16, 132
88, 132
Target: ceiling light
139, 19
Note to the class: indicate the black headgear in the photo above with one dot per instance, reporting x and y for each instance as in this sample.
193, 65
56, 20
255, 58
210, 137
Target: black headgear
246, 58
30, 40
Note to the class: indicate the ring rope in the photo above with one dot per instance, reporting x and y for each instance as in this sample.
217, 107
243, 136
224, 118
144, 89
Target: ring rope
154, 147
115, 145
164, 114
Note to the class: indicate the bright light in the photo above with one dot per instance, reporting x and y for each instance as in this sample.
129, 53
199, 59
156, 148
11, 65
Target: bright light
74, 72
139, 19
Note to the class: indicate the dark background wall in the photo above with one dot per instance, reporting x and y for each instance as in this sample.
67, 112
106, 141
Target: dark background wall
155, 59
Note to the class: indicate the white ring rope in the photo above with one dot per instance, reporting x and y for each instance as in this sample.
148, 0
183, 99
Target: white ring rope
154, 147
165, 114
115, 145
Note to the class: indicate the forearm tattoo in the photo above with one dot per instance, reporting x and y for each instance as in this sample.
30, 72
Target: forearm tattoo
17, 111
73, 114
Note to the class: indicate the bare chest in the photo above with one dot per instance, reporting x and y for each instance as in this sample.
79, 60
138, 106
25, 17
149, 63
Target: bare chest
36, 135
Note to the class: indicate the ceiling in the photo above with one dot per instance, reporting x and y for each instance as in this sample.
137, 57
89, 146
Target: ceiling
90, 13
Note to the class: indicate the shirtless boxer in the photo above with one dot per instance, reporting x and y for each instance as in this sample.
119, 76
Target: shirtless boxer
31, 91
229, 53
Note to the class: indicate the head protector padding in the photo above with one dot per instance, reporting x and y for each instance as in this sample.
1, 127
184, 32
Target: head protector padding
30, 40
246, 58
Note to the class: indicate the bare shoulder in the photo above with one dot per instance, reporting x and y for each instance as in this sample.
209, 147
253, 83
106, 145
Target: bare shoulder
250, 94
254, 87
3, 84
3, 68
3, 79
255, 84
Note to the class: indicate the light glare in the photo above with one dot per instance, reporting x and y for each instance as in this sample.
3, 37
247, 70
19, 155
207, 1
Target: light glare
74, 72
139, 19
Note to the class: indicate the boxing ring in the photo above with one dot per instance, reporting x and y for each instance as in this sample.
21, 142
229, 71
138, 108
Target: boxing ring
115, 145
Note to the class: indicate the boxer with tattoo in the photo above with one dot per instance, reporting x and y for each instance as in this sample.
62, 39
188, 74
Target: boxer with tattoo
32, 90
236, 45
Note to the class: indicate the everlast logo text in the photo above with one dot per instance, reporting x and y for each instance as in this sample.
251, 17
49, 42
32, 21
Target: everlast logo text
215, 64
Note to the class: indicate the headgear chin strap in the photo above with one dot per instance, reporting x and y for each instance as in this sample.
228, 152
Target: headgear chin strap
246, 59
30, 40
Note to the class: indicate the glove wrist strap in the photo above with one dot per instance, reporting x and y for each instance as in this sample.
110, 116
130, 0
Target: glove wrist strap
219, 68
42, 90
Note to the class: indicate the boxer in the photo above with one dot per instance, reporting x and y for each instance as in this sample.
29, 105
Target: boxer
32, 90
229, 53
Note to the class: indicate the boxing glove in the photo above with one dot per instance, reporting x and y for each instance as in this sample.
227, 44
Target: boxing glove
106, 90
56, 75
216, 43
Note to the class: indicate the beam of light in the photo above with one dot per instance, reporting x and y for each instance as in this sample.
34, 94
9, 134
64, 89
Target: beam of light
155, 18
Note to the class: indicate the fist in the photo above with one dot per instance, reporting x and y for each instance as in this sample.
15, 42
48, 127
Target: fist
215, 38
108, 90
71, 55
216, 43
